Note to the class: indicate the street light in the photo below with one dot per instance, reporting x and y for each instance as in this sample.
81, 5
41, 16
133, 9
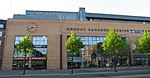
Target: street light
87, 56
82, 49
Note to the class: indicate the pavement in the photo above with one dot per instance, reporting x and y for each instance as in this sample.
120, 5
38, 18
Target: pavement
90, 72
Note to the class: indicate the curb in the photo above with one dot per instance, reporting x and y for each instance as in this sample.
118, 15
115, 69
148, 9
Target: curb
87, 73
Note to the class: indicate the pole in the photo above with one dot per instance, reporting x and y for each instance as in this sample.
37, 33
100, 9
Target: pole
87, 54
81, 59
147, 60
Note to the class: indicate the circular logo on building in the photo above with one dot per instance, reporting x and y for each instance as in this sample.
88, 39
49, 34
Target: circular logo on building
32, 27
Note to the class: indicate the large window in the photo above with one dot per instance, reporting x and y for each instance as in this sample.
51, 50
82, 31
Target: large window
16, 53
40, 40
35, 60
1, 25
40, 46
88, 55
91, 40
39, 56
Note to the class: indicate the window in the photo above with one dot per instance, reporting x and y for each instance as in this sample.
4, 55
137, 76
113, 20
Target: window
39, 55
0, 42
1, 33
40, 40
40, 46
90, 48
1, 26
17, 40
90, 40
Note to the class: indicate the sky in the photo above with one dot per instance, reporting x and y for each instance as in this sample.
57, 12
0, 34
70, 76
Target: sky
121, 7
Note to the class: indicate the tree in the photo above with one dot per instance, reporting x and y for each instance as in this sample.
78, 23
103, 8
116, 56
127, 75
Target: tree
25, 46
123, 46
123, 49
143, 45
73, 46
114, 45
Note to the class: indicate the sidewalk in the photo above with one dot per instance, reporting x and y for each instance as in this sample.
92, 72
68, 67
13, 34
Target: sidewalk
89, 71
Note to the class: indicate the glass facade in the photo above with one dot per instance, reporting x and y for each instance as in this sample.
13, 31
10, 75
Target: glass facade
18, 59
40, 44
35, 60
1, 34
91, 40
89, 56
39, 56
16, 53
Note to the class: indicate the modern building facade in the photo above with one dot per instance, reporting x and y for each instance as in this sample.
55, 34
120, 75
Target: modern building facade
2, 34
49, 31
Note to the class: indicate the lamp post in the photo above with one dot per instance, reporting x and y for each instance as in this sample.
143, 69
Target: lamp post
82, 57
87, 54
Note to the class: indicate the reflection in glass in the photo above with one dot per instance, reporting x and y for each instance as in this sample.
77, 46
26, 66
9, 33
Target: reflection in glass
36, 59
89, 54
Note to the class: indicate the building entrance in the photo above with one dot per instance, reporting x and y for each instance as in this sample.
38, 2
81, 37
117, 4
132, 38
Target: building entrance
39, 65
34, 64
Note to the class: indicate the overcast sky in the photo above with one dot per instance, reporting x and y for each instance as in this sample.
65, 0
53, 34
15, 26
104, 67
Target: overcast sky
121, 7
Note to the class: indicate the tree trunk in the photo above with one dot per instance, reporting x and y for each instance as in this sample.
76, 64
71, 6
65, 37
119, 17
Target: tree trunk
72, 64
115, 63
24, 67
110, 61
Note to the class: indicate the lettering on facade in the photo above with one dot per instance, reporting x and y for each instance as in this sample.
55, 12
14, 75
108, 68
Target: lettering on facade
105, 29
75, 29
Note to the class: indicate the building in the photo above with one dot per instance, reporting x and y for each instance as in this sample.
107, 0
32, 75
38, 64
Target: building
2, 33
49, 31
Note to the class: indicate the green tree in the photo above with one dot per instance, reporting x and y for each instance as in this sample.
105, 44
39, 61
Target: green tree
123, 48
73, 46
114, 45
25, 46
143, 45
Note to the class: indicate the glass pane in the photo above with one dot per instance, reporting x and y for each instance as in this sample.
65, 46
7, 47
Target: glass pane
20, 38
90, 43
82, 38
16, 38
34, 38
94, 38
16, 42
33, 42
45, 42
98, 38
1, 34
77, 37
86, 38
90, 38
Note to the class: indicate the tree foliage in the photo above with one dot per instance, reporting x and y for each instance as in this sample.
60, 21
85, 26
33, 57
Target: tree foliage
144, 43
123, 47
114, 44
74, 45
25, 45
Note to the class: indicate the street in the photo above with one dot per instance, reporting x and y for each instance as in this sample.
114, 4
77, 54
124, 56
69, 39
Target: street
123, 72
79, 76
